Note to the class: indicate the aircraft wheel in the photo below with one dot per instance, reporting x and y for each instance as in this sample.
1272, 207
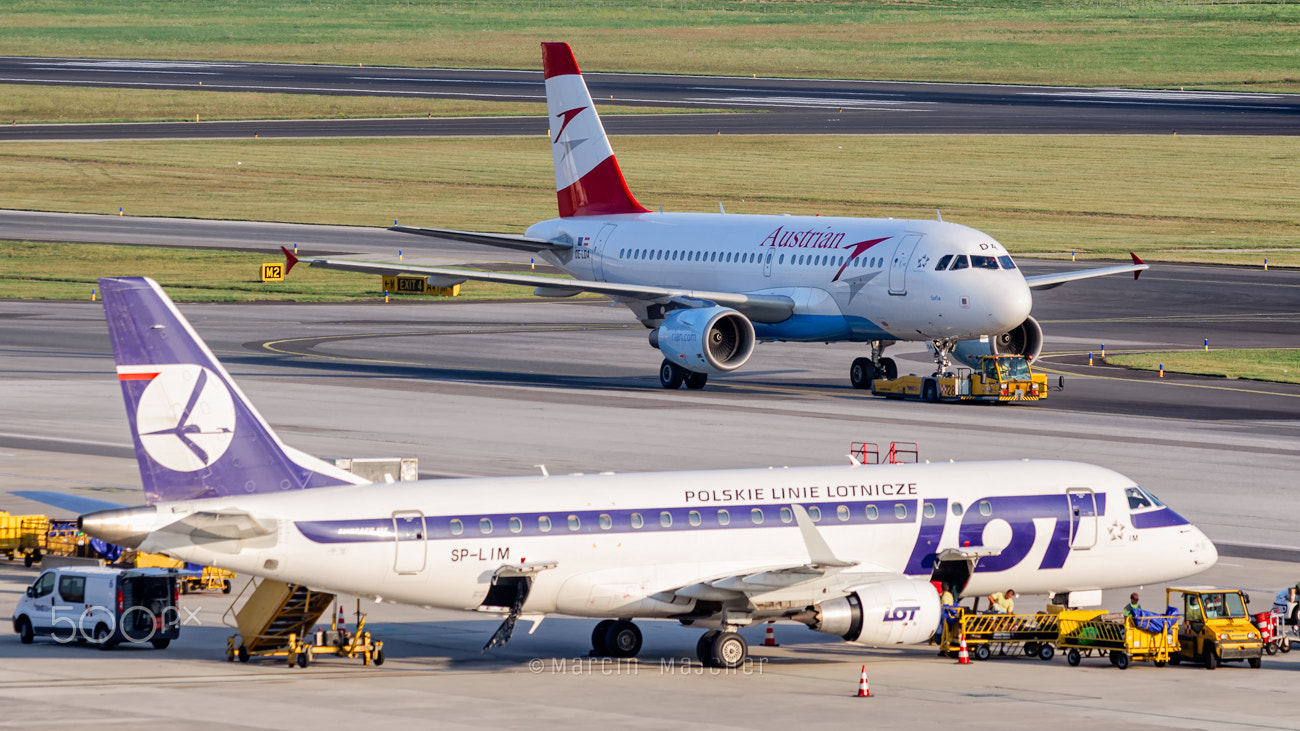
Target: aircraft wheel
1073, 657
695, 380
729, 650
930, 392
1121, 660
888, 369
982, 652
623, 639
600, 637
671, 375
704, 648
862, 373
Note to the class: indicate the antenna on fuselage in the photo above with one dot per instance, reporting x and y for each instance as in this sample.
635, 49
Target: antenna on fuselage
938, 214
544, 472
720, 208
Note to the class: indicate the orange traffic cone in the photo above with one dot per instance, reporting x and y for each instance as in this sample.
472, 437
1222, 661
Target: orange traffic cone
863, 690
963, 657
342, 620
769, 639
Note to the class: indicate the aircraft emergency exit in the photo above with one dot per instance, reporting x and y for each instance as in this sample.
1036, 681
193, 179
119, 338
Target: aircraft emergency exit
712, 285
849, 551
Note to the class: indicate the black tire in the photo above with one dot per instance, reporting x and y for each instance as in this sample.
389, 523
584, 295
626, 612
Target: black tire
378, 658
694, 380
103, 637
1046, 652
623, 639
704, 648
981, 652
600, 638
242, 653
862, 373
729, 650
1073, 657
1175, 659
1211, 659
1284, 645
303, 659
888, 369
225, 586
1271, 648
1121, 660
1111, 657
1159, 663
671, 375
25, 632
28, 560
930, 392
160, 643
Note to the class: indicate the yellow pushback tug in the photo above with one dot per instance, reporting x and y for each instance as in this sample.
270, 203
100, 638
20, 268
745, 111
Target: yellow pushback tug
999, 378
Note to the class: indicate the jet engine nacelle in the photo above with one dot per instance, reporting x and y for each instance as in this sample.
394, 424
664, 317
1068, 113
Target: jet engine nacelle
891, 612
705, 339
1024, 339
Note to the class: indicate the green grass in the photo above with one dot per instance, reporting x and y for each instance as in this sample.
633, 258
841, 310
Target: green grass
1214, 44
24, 104
1217, 199
31, 270
1282, 366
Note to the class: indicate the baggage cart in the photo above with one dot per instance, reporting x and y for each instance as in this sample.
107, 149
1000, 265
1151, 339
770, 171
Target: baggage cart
1122, 640
1032, 635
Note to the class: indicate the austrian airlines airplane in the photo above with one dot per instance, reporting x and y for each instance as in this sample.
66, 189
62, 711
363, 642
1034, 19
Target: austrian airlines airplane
711, 285
850, 551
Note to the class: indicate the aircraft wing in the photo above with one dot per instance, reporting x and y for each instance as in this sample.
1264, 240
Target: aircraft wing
74, 503
760, 308
505, 241
1048, 281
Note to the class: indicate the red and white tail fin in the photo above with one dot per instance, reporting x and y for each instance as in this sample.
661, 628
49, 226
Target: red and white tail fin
587, 179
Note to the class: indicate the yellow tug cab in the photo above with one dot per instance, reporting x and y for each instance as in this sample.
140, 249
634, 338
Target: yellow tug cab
1216, 627
999, 378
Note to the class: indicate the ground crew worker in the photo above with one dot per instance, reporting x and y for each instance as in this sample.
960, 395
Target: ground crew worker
945, 597
1129, 611
1003, 602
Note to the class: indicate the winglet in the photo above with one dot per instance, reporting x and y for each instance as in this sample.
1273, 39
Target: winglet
290, 260
818, 551
1137, 261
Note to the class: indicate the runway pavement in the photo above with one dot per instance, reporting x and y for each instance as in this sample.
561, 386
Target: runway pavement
789, 106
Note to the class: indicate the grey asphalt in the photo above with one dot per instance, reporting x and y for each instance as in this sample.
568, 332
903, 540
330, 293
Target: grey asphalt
790, 106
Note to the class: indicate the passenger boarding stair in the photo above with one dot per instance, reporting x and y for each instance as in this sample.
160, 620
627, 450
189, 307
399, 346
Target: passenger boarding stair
274, 617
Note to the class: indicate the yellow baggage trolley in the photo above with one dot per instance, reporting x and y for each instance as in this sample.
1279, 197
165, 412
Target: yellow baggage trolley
1123, 641
23, 535
1030, 635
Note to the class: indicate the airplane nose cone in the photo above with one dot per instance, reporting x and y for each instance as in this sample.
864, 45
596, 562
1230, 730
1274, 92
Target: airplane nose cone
1013, 304
1204, 554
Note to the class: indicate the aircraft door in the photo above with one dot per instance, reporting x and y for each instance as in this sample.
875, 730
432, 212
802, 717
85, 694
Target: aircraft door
409, 542
899, 265
597, 249
1083, 518
767, 263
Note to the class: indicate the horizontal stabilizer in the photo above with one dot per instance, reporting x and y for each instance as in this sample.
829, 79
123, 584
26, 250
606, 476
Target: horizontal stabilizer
504, 241
75, 503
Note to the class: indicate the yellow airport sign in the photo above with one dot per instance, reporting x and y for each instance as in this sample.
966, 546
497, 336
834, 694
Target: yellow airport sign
417, 285
273, 272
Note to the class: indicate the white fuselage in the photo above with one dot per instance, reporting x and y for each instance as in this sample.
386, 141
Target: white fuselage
845, 287
631, 545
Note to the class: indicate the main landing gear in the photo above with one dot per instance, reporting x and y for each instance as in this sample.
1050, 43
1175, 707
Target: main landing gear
673, 376
615, 638
722, 649
865, 370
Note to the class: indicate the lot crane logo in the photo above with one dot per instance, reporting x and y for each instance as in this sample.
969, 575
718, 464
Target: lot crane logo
185, 417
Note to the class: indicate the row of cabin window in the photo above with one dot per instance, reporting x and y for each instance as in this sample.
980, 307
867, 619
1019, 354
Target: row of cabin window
953, 262
751, 258
695, 519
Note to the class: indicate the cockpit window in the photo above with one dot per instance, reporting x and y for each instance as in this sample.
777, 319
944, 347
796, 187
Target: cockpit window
1139, 499
959, 262
1006, 262
943, 263
984, 262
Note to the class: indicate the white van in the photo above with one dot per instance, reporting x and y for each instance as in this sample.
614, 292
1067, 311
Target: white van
101, 606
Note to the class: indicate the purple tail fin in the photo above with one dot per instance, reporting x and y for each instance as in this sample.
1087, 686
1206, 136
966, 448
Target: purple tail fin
196, 435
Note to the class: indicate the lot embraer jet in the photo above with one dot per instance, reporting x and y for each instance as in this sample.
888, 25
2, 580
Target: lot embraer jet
849, 551
711, 285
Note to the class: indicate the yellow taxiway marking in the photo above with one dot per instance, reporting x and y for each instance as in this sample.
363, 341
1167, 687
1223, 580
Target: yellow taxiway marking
1160, 382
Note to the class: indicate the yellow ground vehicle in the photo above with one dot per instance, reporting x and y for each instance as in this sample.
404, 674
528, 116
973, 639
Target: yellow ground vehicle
1002, 634
23, 535
999, 378
1147, 639
277, 620
1216, 627
210, 579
